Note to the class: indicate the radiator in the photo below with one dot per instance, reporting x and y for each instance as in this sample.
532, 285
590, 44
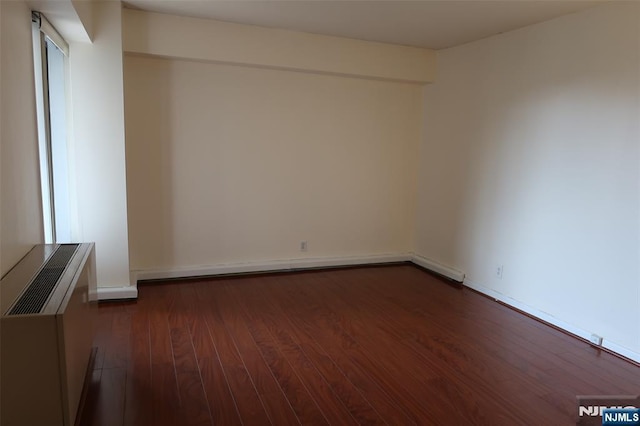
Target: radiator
48, 302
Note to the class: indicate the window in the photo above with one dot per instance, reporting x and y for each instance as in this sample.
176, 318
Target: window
50, 51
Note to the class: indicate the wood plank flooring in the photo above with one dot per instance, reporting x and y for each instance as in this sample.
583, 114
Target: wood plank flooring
374, 345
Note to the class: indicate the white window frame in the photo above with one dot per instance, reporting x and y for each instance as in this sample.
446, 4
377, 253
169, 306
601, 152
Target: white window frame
53, 212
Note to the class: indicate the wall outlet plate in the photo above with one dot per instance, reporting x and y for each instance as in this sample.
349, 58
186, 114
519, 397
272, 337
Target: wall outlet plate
595, 339
303, 246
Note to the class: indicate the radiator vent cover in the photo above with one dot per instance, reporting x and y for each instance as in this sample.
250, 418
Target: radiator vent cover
37, 293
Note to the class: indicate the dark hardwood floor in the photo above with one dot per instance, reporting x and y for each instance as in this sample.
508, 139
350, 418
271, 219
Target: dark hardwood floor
374, 345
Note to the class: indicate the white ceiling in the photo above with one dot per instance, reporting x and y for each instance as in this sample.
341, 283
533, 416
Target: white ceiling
426, 23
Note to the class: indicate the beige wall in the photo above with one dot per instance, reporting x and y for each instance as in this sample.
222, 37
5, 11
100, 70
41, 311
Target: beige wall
530, 160
235, 164
208, 40
97, 147
21, 210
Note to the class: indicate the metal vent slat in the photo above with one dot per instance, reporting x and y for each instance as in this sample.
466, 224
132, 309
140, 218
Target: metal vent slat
37, 293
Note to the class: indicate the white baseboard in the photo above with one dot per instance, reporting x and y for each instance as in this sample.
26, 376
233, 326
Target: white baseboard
576, 331
613, 347
115, 293
328, 262
441, 269
270, 266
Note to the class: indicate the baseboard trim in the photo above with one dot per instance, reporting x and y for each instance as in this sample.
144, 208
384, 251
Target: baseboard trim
437, 267
118, 293
621, 350
270, 266
349, 261
553, 321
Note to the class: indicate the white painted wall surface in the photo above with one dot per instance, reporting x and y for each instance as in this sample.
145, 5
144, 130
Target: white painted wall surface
21, 210
233, 164
208, 40
530, 159
98, 149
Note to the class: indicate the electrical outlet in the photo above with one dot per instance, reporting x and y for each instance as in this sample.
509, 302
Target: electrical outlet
596, 340
499, 270
303, 246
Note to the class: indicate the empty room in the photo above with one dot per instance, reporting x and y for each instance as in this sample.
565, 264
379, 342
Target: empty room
319, 212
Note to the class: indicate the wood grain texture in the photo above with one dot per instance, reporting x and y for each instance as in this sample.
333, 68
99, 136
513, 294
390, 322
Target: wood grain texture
373, 345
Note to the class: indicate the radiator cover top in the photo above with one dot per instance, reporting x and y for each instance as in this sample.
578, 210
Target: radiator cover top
39, 290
